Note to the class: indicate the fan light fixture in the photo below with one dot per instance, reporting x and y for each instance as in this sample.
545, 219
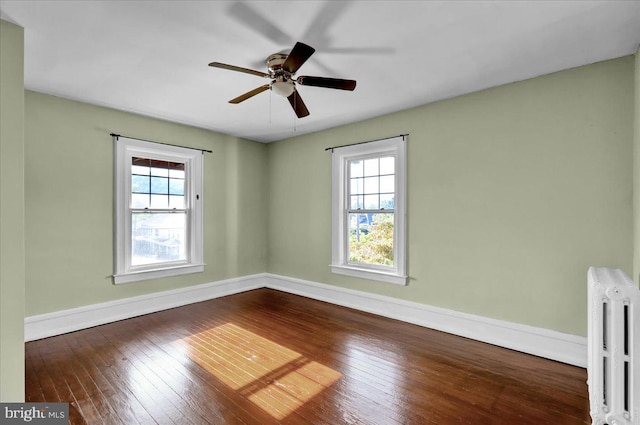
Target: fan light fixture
283, 88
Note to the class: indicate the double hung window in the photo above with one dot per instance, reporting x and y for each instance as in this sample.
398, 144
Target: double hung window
158, 223
369, 210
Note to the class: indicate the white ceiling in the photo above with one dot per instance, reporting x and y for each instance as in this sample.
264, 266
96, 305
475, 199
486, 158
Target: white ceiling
150, 57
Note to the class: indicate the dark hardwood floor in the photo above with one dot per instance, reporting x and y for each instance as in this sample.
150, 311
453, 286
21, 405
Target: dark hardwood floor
266, 357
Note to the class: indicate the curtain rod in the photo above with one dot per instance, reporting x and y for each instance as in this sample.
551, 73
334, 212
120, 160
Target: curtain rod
369, 141
160, 143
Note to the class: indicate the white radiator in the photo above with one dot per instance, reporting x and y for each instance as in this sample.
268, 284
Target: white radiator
614, 348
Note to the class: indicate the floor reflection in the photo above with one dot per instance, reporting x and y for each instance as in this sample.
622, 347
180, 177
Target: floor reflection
273, 377
373, 370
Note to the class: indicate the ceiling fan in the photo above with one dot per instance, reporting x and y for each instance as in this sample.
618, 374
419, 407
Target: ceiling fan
282, 68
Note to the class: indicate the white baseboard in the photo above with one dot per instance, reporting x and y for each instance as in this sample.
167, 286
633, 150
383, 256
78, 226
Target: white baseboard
540, 342
60, 322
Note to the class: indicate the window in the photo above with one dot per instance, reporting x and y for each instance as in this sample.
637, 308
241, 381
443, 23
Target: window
369, 211
158, 220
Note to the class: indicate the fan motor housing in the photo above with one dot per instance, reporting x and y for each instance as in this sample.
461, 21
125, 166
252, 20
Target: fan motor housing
275, 61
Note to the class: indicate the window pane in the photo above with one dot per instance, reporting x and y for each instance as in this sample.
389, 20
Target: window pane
157, 237
138, 169
356, 186
162, 172
160, 185
387, 165
159, 201
356, 168
176, 202
371, 185
357, 202
371, 239
139, 184
139, 200
387, 201
176, 186
371, 202
371, 167
178, 174
143, 162
387, 184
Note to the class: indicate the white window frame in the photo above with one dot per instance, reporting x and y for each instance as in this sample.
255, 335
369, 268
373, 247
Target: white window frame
125, 150
396, 274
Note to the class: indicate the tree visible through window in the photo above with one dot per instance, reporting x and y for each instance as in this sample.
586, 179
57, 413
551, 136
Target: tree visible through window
372, 243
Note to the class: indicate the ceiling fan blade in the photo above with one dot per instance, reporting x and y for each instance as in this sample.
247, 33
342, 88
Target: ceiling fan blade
238, 68
249, 94
298, 105
330, 83
299, 55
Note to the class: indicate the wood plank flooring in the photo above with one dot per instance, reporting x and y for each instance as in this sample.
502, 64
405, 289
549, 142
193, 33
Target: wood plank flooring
267, 357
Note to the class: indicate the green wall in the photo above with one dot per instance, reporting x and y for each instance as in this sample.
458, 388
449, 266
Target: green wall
12, 223
513, 192
69, 203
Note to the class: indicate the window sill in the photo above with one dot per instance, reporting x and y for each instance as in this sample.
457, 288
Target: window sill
157, 273
370, 274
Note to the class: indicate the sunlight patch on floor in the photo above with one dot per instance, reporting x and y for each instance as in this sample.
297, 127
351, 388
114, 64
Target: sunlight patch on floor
273, 377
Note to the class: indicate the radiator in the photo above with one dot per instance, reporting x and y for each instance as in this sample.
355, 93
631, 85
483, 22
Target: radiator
614, 348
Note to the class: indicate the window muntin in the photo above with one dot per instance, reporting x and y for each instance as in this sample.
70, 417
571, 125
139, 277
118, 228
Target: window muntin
158, 211
368, 235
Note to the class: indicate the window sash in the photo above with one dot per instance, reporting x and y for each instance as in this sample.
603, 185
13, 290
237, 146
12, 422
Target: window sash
158, 172
150, 265
368, 265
